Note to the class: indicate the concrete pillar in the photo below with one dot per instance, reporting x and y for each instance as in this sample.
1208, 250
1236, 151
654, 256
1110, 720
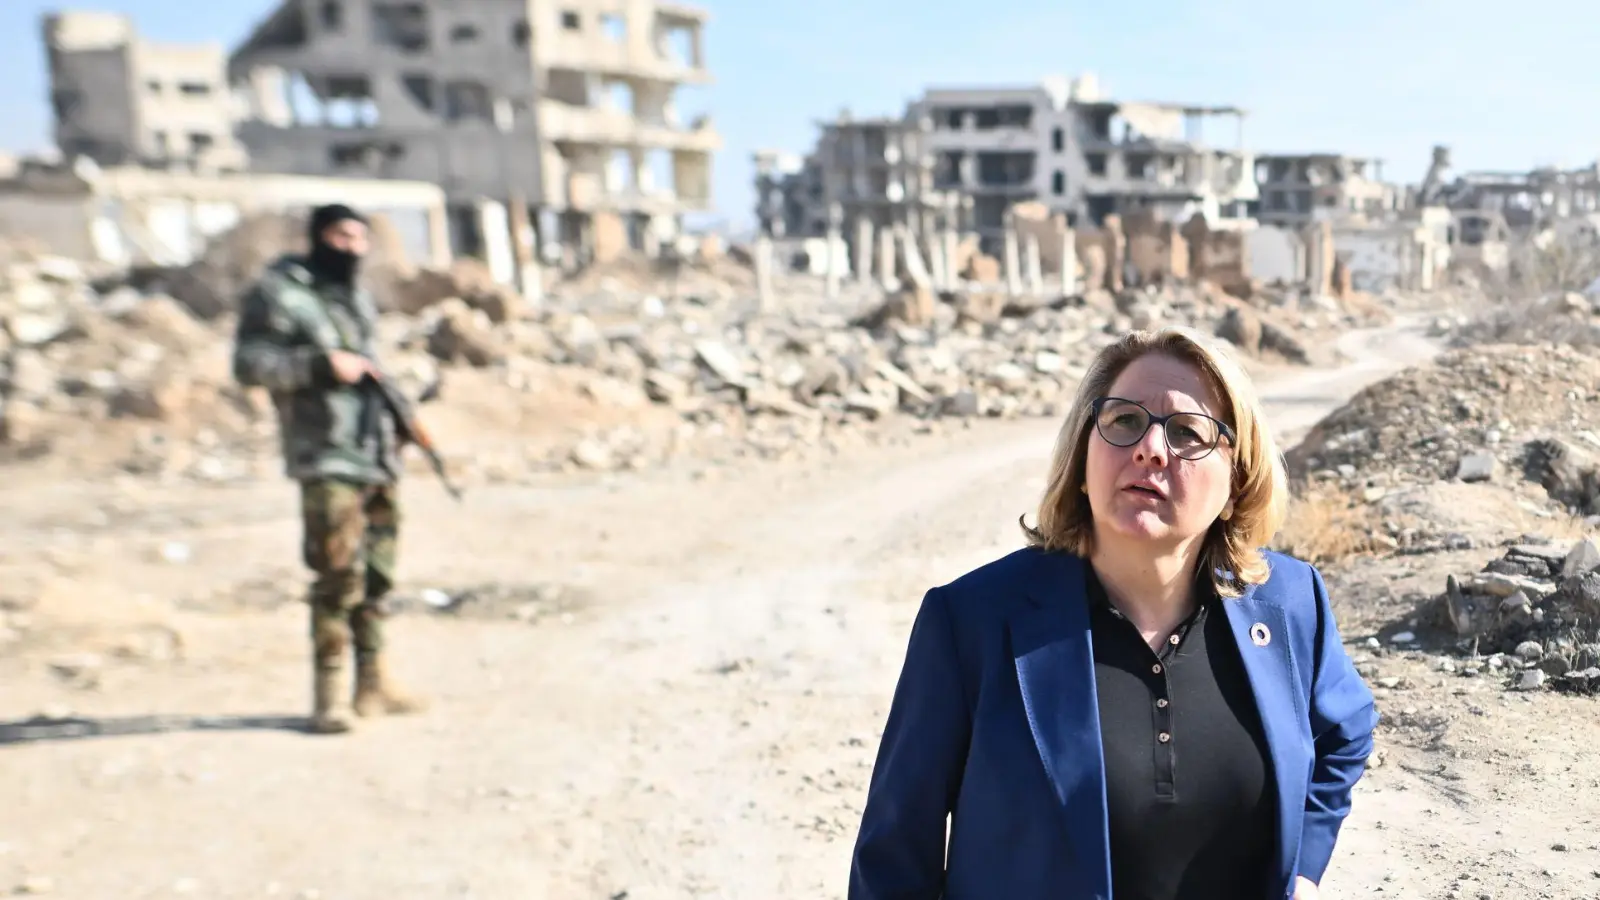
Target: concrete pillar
1116, 253
951, 241
1319, 247
763, 263
915, 268
864, 245
1032, 268
527, 270
937, 267
652, 239
887, 274
1069, 263
831, 254
440, 252
1012, 262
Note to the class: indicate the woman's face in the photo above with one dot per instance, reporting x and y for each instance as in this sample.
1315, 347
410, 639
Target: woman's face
1146, 492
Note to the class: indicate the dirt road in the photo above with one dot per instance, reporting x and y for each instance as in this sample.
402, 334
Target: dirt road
679, 695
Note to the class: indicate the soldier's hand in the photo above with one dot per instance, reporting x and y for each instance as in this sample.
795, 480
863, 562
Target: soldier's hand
349, 368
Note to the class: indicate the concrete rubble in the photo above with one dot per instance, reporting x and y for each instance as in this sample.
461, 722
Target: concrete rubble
1446, 420
628, 366
1532, 616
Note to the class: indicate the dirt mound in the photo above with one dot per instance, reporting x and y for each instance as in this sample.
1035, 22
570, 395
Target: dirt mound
1469, 415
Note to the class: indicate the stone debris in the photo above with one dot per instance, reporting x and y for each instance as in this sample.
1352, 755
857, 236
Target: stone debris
622, 367
1536, 609
1473, 414
1570, 319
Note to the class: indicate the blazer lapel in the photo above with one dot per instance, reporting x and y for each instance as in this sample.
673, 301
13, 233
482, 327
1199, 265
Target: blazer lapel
1261, 629
1054, 656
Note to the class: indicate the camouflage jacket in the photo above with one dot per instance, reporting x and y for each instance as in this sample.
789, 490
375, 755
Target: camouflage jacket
288, 321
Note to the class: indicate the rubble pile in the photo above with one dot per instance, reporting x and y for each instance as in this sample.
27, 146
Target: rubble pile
1477, 415
1570, 319
1534, 613
600, 373
964, 355
71, 357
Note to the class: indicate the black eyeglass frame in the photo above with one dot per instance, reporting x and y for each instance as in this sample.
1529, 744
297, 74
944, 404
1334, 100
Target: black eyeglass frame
1224, 430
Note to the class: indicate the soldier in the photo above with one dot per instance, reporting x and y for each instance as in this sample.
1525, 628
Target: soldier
306, 334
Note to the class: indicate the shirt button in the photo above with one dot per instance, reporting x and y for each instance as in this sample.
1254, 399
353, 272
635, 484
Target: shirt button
1162, 703
1173, 640
1156, 668
1163, 737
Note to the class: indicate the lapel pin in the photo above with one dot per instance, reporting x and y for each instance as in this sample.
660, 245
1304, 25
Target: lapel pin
1259, 635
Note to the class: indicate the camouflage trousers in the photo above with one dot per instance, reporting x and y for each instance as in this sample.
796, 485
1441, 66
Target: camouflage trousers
351, 540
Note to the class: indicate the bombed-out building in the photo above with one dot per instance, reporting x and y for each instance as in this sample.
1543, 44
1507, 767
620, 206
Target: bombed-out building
121, 100
1298, 189
1058, 142
560, 113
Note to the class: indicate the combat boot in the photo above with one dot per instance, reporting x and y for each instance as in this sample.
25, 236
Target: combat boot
376, 694
328, 713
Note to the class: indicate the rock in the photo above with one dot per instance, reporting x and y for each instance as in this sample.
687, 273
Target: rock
156, 402
1531, 680
1530, 650
1242, 328
716, 357
38, 329
31, 376
592, 454
1477, 467
20, 422
1568, 472
461, 336
1582, 558
963, 404
664, 387
981, 308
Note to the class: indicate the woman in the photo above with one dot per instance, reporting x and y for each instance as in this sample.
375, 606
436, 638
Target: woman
1143, 703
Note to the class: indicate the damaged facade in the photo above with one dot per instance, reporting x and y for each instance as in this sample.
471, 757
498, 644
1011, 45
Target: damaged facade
554, 116
972, 154
1064, 145
1298, 189
121, 100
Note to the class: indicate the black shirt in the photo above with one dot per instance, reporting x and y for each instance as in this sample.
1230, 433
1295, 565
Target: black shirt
1188, 779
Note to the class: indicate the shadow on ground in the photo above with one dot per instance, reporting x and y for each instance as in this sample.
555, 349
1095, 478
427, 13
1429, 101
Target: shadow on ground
40, 730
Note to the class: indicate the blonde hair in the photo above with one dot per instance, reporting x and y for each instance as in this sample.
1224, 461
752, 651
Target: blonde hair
1231, 550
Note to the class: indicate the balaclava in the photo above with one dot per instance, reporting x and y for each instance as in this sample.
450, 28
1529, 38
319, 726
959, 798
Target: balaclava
335, 265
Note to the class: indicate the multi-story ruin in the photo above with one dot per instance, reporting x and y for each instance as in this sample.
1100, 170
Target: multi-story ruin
121, 100
1058, 143
1298, 189
562, 110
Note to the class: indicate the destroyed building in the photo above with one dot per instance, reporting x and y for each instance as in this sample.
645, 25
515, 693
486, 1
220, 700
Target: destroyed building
1522, 200
1064, 145
121, 100
981, 150
558, 115
1298, 189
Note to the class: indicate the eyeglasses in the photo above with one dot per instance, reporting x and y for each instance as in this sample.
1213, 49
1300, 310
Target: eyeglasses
1190, 435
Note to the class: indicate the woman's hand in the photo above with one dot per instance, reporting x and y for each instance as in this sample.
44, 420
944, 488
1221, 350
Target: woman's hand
1305, 890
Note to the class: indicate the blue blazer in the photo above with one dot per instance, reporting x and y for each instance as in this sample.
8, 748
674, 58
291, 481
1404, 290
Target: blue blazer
995, 722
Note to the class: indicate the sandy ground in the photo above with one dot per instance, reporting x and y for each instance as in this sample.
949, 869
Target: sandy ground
676, 691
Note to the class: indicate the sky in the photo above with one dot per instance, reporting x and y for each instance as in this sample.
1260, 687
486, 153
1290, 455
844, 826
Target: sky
1506, 87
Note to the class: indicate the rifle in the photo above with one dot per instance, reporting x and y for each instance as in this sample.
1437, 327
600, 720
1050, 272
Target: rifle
409, 428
